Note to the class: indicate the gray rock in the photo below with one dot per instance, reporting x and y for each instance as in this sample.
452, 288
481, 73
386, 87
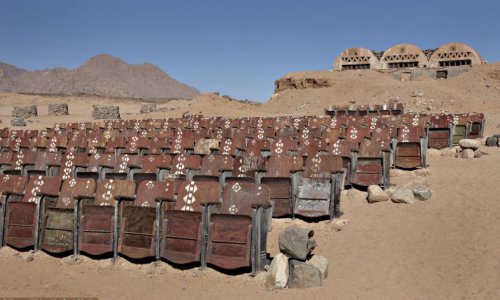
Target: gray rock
278, 272
492, 141
376, 194
321, 263
422, 192
467, 154
17, 122
296, 242
469, 144
24, 112
58, 109
303, 275
403, 195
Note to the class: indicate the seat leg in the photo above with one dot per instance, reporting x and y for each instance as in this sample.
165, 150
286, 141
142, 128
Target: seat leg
75, 228
115, 231
158, 230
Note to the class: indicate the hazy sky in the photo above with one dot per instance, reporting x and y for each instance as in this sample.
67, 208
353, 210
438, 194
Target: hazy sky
235, 47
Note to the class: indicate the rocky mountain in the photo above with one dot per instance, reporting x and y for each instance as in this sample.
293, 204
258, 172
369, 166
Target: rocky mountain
102, 75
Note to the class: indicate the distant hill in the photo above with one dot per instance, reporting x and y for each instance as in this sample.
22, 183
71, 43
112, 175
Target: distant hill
101, 75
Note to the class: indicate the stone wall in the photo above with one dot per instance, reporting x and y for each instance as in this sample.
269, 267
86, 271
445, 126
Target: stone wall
58, 109
24, 112
105, 112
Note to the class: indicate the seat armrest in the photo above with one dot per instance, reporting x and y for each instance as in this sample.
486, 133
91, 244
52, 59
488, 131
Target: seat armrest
263, 204
125, 198
206, 202
161, 198
41, 194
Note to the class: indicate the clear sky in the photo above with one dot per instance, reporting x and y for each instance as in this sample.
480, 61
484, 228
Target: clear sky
235, 47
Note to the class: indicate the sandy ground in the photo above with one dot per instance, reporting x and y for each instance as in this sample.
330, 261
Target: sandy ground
445, 248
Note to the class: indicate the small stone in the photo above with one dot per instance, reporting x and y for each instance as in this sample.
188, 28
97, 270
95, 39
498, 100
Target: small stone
303, 275
403, 195
422, 192
376, 194
321, 263
18, 122
478, 153
28, 256
469, 144
278, 272
467, 154
296, 242
491, 141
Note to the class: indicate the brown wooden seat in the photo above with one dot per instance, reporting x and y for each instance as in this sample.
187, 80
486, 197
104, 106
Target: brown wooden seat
318, 192
372, 163
98, 224
184, 227
59, 226
282, 182
410, 148
21, 222
237, 235
11, 189
138, 221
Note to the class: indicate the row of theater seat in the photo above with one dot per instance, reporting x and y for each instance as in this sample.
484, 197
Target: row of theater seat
183, 222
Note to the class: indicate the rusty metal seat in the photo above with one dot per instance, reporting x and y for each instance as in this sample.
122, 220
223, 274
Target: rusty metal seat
409, 149
98, 221
237, 234
5, 160
157, 164
246, 168
186, 166
372, 164
344, 149
22, 217
59, 226
476, 126
439, 131
318, 192
124, 167
138, 222
46, 164
280, 177
71, 163
11, 189
185, 226
460, 127
22, 161
97, 166
215, 168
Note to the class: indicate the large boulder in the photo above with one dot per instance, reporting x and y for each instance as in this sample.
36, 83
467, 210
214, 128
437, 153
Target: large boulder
297, 242
321, 263
278, 272
376, 194
105, 112
469, 144
403, 195
467, 154
303, 275
422, 192
491, 141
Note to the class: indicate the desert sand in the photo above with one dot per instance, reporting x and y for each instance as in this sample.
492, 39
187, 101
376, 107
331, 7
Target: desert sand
445, 248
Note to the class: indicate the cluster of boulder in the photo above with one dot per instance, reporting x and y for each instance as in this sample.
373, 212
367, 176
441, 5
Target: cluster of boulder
469, 148
105, 112
295, 266
402, 194
493, 141
21, 113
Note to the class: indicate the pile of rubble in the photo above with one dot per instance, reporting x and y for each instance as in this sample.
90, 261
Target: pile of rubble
151, 108
105, 112
21, 113
58, 109
295, 267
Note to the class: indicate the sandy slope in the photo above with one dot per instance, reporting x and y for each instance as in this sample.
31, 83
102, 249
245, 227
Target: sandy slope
445, 248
